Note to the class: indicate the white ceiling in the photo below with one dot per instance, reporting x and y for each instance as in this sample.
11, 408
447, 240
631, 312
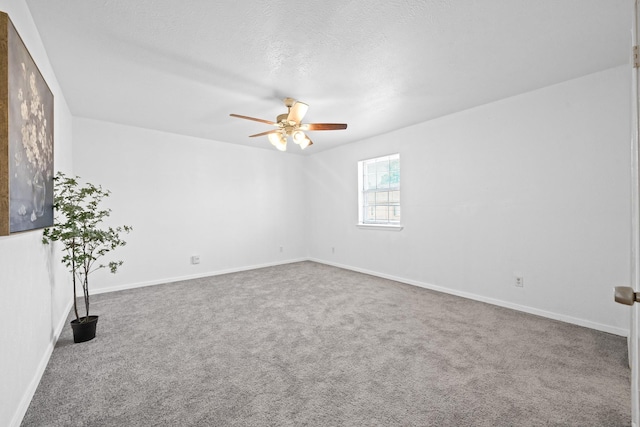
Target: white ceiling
183, 66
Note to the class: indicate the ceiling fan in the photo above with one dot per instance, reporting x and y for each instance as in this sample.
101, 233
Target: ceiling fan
290, 124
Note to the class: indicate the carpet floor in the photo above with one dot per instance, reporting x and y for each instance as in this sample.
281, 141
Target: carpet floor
307, 344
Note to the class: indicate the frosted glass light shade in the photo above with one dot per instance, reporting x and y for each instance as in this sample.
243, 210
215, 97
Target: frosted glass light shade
278, 140
305, 143
298, 136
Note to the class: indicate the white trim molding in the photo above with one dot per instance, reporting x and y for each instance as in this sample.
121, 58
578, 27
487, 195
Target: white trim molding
387, 227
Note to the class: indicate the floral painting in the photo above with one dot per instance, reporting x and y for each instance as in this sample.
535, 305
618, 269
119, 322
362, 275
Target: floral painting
30, 139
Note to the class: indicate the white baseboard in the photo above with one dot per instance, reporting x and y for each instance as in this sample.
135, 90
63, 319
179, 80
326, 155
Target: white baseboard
44, 361
526, 309
192, 276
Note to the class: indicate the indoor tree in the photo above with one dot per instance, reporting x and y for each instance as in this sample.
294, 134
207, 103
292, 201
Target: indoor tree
79, 227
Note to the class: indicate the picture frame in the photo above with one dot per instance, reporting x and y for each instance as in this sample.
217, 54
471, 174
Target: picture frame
26, 137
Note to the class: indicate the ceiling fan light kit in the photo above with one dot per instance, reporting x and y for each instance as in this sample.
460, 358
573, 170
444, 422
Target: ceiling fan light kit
290, 124
278, 140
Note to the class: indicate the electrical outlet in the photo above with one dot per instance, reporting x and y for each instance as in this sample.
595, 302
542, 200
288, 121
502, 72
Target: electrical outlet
519, 281
281, 248
195, 259
333, 250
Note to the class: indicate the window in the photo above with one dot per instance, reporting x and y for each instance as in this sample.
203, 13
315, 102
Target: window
379, 190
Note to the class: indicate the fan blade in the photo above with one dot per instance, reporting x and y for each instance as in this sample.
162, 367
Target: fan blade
323, 126
254, 119
297, 112
266, 133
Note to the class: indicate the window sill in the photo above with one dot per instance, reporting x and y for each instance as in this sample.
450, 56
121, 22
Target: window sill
380, 227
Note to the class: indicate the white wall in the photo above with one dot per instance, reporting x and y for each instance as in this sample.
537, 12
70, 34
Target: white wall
35, 294
537, 184
232, 205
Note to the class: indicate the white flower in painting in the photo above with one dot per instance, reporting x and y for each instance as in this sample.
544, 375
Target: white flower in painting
25, 143
32, 83
31, 127
33, 216
22, 210
34, 106
24, 71
20, 94
32, 135
24, 110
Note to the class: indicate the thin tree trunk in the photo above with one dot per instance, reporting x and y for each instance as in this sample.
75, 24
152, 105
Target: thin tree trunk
73, 269
85, 287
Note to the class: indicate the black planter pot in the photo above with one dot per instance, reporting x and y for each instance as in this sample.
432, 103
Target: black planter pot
84, 331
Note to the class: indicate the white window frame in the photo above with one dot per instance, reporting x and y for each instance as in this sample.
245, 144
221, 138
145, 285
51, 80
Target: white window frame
388, 225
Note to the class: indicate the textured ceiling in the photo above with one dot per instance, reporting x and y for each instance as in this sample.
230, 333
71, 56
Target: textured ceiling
182, 67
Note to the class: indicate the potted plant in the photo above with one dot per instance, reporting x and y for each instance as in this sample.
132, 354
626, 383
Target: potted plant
78, 226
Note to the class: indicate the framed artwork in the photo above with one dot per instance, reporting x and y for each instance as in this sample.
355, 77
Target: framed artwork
26, 138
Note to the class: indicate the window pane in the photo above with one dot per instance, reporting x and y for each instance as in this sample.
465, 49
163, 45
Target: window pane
382, 197
382, 167
370, 198
365, 168
369, 167
371, 181
382, 170
394, 178
382, 213
394, 196
395, 214
383, 181
370, 213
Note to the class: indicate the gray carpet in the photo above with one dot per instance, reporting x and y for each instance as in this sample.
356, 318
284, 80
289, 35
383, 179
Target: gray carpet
307, 344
